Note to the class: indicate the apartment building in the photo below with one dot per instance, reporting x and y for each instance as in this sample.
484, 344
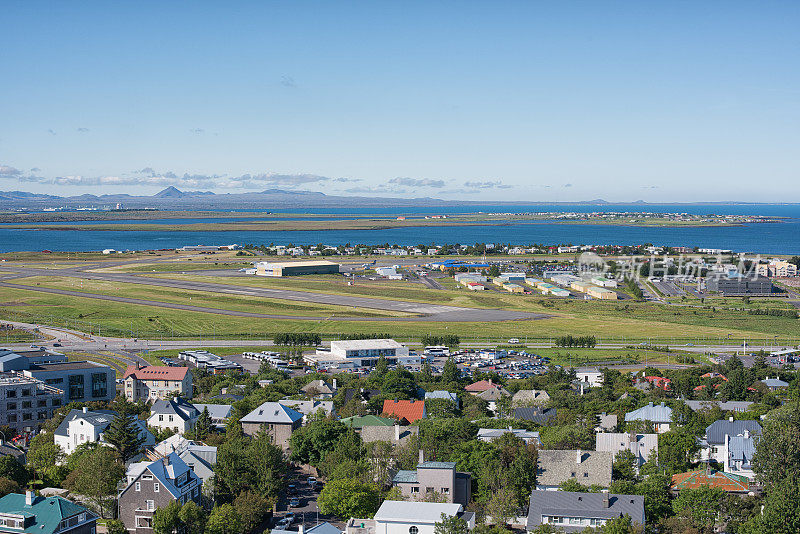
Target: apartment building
432, 478
26, 403
157, 382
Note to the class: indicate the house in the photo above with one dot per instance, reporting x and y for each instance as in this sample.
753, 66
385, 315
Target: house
395, 434
32, 514
359, 422
699, 478
277, 420
725, 406
491, 434
574, 512
660, 415
640, 445
492, 396
480, 386
732, 444
152, 485
606, 422
177, 414
589, 468
434, 478
775, 384
443, 395
408, 410
219, 413
310, 407
362, 395
535, 414
200, 458
7, 449
530, 397
590, 375
659, 382
156, 382
85, 426
404, 517
319, 389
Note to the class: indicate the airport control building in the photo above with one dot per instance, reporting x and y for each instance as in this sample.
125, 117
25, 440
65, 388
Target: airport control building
296, 268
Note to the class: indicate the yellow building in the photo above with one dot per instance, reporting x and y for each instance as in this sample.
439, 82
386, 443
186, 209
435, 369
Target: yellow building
581, 286
602, 293
513, 288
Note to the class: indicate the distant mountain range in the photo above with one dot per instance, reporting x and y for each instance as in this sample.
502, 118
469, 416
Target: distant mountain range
174, 199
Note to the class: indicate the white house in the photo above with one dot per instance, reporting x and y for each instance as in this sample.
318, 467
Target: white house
660, 415
177, 414
85, 426
406, 517
590, 375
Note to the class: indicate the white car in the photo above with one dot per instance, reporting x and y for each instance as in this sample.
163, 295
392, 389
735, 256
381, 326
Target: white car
513, 341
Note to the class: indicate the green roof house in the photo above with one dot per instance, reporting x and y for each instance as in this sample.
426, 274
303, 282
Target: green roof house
32, 514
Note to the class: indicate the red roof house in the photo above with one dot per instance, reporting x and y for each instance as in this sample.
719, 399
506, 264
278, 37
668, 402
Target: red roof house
480, 387
715, 479
410, 410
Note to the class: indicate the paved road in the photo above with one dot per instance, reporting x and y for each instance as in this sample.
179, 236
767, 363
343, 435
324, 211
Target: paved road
420, 311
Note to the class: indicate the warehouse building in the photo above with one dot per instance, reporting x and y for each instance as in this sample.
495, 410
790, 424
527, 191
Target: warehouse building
579, 285
739, 285
602, 293
563, 279
513, 288
604, 282
296, 268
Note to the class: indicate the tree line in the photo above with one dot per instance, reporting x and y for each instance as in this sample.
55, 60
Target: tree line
297, 338
575, 341
448, 340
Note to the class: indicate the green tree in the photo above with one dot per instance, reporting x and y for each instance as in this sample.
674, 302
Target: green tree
701, 505
224, 520
115, 526
494, 271
245, 464
251, 508
777, 455
623, 466
440, 437
781, 514
676, 449
381, 368
123, 435
203, 426
12, 469
451, 525
96, 476
312, 442
621, 525
347, 497
8, 486
193, 518
43, 453
450, 372
166, 520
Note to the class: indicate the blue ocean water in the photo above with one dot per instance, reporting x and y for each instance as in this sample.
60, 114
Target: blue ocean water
774, 238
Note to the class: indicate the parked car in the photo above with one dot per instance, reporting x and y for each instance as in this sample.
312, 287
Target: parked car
294, 502
513, 341
292, 488
283, 523
291, 516
312, 481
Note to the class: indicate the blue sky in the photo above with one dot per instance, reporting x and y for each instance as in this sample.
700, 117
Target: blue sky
559, 101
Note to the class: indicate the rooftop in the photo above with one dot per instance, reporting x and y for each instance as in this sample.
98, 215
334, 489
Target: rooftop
715, 479
272, 412
591, 505
154, 372
421, 512
366, 344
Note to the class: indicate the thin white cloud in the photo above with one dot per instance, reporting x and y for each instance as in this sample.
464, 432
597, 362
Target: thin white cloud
417, 182
497, 184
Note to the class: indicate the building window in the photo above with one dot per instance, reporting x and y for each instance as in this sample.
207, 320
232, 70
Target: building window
27, 404
138, 486
41, 416
11, 406
11, 393
56, 402
99, 385
151, 505
27, 416
445, 491
156, 487
41, 403
144, 522
26, 392
75, 387
12, 418
413, 530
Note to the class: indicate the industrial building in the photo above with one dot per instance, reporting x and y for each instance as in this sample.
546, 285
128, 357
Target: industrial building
601, 293
563, 279
296, 268
604, 282
513, 288
512, 277
202, 359
580, 285
739, 285
362, 353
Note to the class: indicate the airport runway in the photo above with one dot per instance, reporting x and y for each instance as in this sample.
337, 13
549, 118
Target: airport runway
420, 311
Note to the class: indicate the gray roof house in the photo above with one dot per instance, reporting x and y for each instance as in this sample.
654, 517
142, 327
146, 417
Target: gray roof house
731, 443
11, 450
87, 426
277, 420
725, 406
606, 422
432, 478
716, 431
442, 395
574, 512
585, 467
395, 434
176, 413
309, 407
775, 384
660, 415
491, 434
529, 397
320, 389
739, 451
640, 445
535, 414
219, 413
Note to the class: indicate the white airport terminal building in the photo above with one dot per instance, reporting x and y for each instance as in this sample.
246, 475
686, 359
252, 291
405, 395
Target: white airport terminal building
362, 353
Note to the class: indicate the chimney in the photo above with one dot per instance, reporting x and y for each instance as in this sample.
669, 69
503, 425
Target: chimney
334, 384
165, 460
85, 409
421, 456
730, 419
606, 499
29, 496
397, 432
746, 434
578, 456
301, 529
